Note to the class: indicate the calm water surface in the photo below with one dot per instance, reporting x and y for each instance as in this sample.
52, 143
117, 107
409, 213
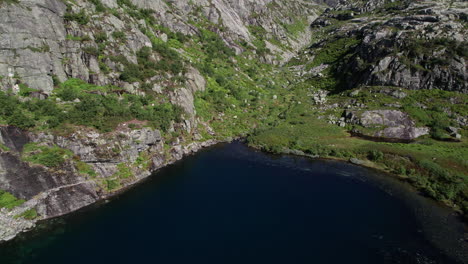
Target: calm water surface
230, 204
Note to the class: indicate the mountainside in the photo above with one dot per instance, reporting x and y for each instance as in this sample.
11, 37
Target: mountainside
383, 85
96, 95
102, 93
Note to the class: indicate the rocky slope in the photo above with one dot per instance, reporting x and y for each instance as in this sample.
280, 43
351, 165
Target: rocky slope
383, 85
46, 39
45, 43
414, 45
99, 94
387, 47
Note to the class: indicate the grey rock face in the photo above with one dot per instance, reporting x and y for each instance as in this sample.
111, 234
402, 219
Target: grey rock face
392, 124
421, 46
37, 43
55, 192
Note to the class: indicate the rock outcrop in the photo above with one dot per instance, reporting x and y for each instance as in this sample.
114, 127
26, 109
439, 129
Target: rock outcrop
54, 192
409, 44
40, 44
49, 41
390, 124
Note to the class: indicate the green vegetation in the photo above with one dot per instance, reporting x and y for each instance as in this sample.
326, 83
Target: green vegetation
89, 105
85, 168
299, 25
7, 200
437, 168
124, 171
25, 90
52, 157
98, 5
147, 66
28, 214
8, 2
81, 17
4, 148
112, 184
119, 35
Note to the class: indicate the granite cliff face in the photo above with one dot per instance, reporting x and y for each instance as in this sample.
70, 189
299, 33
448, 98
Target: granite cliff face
229, 66
39, 43
382, 48
409, 44
47, 42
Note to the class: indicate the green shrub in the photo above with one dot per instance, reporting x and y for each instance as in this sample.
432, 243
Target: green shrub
25, 90
81, 17
112, 184
101, 37
99, 6
120, 35
91, 51
29, 214
9, 201
124, 172
19, 119
375, 155
85, 168
51, 157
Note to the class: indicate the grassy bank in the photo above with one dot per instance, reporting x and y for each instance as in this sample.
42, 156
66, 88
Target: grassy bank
437, 168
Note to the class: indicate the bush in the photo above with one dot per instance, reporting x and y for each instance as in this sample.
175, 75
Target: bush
119, 35
101, 37
81, 18
29, 214
112, 184
85, 168
99, 6
375, 155
48, 156
19, 119
9, 201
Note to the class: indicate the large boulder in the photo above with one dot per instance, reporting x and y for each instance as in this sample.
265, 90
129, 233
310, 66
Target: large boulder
392, 124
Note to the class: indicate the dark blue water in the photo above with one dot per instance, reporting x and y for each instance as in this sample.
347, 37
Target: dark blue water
230, 204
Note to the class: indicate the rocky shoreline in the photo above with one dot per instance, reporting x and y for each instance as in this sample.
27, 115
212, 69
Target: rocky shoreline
68, 190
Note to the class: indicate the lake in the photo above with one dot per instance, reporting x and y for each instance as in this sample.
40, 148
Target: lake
232, 204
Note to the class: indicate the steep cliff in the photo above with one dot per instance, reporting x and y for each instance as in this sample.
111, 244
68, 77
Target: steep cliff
96, 95
102, 93
409, 44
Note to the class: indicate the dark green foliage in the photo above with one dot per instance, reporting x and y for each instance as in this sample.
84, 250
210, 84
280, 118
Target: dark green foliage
56, 80
25, 90
99, 6
19, 119
132, 73
98, 107
101, 37
147, 66
418, 47
81, 17
112, 184
120, 35
440, 183
375, 155
127, 3
214, 46
91, 51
